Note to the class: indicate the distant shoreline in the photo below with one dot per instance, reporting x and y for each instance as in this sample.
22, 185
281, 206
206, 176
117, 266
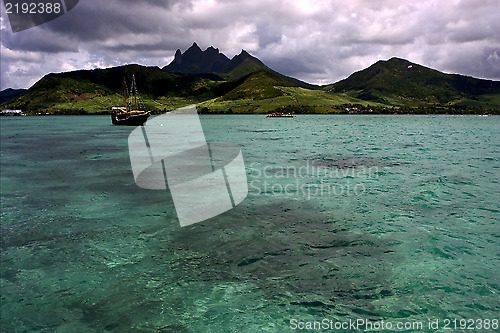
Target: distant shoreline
264, 114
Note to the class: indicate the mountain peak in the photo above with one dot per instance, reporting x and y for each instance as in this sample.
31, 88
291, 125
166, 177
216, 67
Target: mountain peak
403, 82
243, 64
195, 46
244, 55
178, 57
9, 94
196, 61
193, 49
396, 59
213, 64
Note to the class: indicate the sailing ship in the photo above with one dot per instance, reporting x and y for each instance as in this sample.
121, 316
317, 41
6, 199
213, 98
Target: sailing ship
133, 114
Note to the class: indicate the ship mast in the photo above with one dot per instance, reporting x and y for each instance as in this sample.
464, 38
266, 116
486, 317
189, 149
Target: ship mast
125, 92
135, 91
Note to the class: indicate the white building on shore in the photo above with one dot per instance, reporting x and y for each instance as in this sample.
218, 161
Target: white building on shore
20, 112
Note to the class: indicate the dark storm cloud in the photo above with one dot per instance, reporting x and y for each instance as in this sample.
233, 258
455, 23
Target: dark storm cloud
111, 19
316, 41
30, 41
267, 33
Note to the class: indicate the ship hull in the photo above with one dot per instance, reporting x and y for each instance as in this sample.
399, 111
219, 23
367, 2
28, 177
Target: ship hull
129, 120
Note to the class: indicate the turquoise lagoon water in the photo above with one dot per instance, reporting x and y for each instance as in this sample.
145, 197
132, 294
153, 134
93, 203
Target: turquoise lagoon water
368, 218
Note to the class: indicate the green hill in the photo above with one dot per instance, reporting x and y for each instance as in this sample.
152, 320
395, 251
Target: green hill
265, 92
402, 83
93, 91
244, 64
9, 94
258, 86
241, 65
244, 84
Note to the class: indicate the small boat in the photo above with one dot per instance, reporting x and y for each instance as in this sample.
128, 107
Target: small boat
131, 114
280, 114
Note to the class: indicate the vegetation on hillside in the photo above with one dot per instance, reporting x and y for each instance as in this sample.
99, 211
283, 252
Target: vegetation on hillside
245, 85
96, 91
398, 82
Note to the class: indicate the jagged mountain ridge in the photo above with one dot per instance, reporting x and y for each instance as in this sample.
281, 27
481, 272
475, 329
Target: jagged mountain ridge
212, 61
213, 64
196, 61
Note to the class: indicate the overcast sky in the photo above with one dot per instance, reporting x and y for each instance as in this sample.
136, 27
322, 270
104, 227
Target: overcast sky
316, 41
